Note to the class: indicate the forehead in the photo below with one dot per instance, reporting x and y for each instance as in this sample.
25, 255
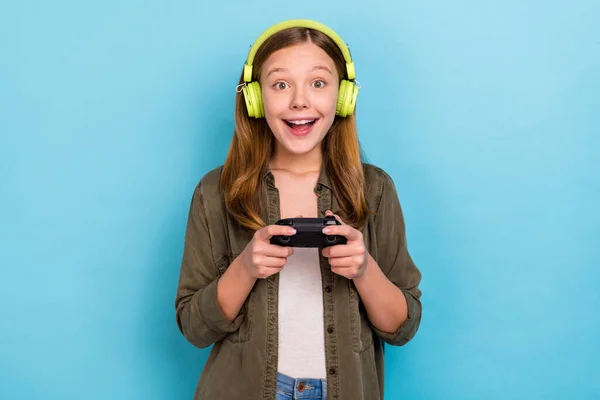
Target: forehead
298, 58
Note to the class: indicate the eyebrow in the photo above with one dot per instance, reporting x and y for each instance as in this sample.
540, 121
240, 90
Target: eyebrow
316, 68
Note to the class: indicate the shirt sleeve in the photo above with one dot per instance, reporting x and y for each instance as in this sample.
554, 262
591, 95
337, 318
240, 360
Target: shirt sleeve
395, 261
199, 316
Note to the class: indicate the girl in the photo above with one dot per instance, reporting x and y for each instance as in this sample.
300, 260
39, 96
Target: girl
292, 323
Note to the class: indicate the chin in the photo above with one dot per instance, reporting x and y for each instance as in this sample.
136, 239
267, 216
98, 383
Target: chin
302, 148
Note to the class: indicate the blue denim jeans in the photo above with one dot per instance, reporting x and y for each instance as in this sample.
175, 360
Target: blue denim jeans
291, 389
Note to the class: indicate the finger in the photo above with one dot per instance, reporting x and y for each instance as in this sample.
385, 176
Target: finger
344, 230
345, 272
348, 273
268, 231
273, 250
344, 262
344, 250
269, 262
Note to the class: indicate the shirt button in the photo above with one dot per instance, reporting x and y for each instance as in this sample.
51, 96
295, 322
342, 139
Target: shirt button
330, 329
328, 289
319, 188
332, 371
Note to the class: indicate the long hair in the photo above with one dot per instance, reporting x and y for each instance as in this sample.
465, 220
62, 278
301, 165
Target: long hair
253, 144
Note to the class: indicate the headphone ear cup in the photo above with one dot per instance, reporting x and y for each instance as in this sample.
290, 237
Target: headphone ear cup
352, 96
257, 92
346, 101
248, 100
253, 98
340, 98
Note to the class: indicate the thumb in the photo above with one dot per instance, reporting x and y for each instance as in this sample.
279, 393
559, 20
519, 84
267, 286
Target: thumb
330, 213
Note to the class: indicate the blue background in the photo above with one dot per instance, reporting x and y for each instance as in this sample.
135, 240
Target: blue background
485, 113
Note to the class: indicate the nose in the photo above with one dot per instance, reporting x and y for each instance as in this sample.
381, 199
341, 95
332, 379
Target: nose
300, 100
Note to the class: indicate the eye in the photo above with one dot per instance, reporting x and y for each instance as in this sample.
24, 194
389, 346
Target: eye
319, 84
280, 85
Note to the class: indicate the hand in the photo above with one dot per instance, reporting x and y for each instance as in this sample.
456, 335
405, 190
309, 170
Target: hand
350, 259
262, 259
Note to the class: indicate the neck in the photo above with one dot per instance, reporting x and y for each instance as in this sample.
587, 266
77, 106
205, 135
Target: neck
298, 163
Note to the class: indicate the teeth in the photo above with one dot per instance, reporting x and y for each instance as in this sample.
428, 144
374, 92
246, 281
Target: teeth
301, 122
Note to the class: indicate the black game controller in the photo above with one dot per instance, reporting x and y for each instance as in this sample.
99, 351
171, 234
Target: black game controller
309, 233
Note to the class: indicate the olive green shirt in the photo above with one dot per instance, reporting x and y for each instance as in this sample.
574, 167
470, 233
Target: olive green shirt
243, 361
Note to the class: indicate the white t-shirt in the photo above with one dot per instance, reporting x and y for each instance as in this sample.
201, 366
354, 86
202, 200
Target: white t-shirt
301, 336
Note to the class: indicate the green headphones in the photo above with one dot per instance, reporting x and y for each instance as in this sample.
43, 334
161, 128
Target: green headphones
348, 90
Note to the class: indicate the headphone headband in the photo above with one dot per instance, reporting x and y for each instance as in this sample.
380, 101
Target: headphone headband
300, 23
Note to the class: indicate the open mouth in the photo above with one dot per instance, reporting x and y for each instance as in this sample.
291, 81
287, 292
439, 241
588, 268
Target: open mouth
300, 123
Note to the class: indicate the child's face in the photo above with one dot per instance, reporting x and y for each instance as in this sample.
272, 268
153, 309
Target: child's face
299, 88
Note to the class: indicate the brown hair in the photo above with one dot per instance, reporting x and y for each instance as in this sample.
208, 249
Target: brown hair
253, 144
